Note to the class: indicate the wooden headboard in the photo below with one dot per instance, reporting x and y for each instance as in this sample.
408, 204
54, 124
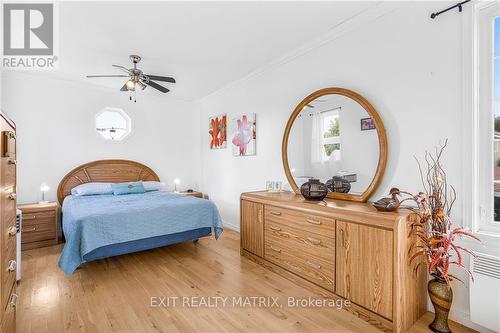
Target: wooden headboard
104, 171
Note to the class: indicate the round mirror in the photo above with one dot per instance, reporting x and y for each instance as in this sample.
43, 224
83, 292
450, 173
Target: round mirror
336, 136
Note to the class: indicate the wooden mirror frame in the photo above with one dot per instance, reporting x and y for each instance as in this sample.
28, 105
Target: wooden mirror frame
382, 139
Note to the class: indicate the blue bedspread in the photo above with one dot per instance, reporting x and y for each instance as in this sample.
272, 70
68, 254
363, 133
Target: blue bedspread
91, 222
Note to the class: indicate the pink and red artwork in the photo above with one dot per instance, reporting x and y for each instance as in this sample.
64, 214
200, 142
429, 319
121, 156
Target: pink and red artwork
244, 137
217, 131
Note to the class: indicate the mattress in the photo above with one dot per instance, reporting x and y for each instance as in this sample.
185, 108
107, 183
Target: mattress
98, 226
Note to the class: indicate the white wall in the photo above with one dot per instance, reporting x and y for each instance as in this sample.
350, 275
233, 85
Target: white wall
407, 65
55, 126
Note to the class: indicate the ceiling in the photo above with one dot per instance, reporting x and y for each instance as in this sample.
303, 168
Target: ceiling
204, 45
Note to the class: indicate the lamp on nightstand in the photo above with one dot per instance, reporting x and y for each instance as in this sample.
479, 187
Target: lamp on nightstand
177, 181
44, 188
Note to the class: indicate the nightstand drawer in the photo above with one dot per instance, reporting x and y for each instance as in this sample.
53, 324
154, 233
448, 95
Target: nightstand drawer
38, 218
33, 232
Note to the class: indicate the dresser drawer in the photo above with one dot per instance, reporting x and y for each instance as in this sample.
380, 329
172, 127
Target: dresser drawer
9, 240
8, 275
311, 223
8, 144
8, 172
9, 315
311, 268
301, 241
9, 203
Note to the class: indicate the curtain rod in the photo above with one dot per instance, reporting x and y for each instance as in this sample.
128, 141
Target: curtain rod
459, 5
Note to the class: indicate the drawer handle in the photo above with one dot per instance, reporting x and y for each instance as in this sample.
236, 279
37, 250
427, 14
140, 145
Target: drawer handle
272, 227
13, 300
12, 265
275, 213
13, 231
12, 162
29, 230
29, 217
11, 135
313, 221
313, 265
275, 249
12, 196
314, 241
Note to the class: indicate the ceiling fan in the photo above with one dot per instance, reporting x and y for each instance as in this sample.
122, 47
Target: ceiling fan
137, 79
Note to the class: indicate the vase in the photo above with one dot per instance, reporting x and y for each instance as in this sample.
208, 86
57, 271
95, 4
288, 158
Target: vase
314, 190
441, 296
338, 184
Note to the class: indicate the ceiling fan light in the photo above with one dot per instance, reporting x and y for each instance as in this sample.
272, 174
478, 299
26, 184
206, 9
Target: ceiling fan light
140, 85
130, 85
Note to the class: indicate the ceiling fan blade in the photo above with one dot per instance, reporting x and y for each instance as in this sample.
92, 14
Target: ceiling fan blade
157, 86
126, 70
124, 88
91, 76
161, 78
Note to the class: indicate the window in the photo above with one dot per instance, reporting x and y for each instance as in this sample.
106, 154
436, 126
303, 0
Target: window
113, 124
487, 112
331, 135
496, 112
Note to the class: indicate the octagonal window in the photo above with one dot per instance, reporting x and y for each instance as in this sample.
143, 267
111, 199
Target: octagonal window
113, 124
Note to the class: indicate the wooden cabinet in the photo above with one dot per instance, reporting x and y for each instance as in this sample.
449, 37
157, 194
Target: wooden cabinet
8, 245
339, 249
364, 266
40, 225
252, 227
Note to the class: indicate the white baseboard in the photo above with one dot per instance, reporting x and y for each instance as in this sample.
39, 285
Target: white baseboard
231, 226
463, 317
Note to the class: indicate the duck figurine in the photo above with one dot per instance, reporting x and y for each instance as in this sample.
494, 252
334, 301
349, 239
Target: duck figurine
389, 204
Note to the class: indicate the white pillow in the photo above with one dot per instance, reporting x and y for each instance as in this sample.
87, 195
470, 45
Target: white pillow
92, 189
152, 186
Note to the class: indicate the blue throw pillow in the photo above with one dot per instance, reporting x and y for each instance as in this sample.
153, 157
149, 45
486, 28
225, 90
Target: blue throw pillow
127, 188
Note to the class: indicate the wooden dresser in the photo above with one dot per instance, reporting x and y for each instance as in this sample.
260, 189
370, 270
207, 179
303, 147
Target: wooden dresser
8, 296
341, 250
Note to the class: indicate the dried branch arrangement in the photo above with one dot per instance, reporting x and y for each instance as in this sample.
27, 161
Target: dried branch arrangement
432, 225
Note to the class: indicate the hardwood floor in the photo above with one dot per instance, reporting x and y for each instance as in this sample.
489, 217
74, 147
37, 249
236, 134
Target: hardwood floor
114, 295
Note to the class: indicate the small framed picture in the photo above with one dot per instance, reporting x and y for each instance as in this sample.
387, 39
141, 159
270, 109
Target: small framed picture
367, 124
277, 186
269, 186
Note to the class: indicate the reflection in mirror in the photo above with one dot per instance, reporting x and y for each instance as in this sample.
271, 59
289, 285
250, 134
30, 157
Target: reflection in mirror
333, 137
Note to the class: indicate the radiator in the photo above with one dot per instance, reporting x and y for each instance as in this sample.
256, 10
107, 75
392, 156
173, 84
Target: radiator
485, 292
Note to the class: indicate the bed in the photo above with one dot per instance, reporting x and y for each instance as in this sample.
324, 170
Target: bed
106, 225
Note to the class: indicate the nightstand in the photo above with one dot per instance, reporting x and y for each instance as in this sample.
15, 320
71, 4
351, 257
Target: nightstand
193, 194
40, 225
